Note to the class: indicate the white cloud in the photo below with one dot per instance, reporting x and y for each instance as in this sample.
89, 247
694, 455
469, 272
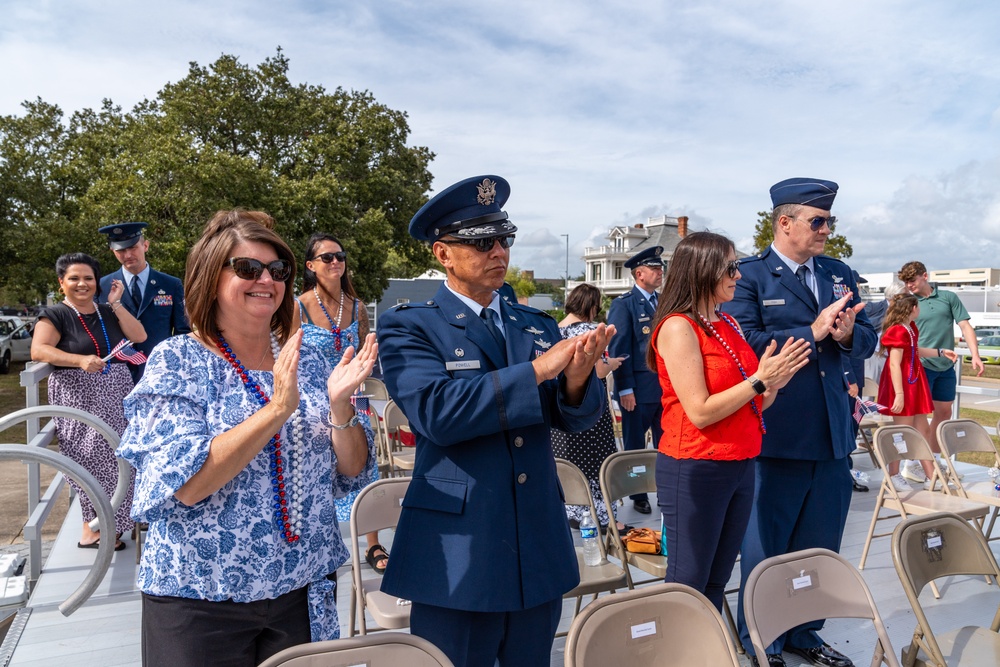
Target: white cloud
598, 113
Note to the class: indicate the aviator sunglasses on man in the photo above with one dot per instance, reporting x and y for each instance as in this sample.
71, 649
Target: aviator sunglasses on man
328, 257
248, 268
816, 223
483, 245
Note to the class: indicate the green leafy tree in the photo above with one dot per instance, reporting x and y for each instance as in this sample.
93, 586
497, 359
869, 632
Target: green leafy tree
836, 245
225, 135
521, 281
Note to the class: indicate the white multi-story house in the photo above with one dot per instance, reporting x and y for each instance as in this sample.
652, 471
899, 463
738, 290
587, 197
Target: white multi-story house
606, 264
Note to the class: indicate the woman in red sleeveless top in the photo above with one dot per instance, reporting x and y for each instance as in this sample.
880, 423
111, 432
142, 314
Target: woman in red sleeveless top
714, 396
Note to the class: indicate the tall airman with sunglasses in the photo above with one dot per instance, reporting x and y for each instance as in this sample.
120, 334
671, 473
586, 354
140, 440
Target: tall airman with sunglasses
483, 549
803, 485
155, 299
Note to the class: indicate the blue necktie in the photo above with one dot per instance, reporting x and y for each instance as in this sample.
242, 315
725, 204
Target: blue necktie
801, 273
652, 300
491, 326
136, 294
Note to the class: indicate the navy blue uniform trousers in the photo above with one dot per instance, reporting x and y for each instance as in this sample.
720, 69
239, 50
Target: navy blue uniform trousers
479, 638
797, 504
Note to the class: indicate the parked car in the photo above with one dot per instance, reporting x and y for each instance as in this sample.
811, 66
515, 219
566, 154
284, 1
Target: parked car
15, 344
989, 350
983, 332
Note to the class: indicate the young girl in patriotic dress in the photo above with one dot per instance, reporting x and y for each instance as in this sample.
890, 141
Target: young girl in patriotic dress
903, 387
75, 336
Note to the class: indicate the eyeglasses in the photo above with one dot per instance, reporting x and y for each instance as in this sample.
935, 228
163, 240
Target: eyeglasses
817, 223
328, 257
732, 268
486, 244
248, 268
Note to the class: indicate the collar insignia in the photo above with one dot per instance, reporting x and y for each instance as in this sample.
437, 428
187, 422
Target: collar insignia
487, 192
460, 316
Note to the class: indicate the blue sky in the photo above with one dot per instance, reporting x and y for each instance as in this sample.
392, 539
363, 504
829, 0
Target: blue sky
602, 113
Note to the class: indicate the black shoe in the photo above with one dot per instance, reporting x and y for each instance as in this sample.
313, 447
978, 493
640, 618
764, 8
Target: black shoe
822, 655
642, 506
574, 524
773, 660
858, 486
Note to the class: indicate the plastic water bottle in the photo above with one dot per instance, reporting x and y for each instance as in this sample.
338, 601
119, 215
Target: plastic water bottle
588, 533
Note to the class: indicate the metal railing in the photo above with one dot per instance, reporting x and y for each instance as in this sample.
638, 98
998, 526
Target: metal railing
38, 438
970, 391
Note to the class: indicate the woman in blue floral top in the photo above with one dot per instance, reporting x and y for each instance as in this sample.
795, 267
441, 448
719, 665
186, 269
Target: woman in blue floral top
237, 465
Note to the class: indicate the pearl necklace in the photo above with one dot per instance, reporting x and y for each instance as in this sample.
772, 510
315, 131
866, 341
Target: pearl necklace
912, 379
107, 341
337, 343
715, 334
287, 511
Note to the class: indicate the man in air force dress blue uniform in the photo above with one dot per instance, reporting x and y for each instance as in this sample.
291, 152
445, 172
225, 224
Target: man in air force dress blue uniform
637, 389
803, 487
156, 299
483, 549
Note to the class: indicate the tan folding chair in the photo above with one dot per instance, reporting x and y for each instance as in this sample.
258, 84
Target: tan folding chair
924, 549
376, 508
789, 590
871, 422
386, 649
904, 443
395, 423
375, 389
593, 579
624, 474
385, 467
964, 435
667, 624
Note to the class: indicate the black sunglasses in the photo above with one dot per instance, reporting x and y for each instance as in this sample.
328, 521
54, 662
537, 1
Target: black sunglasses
732, 268
248, 268
484, 245
328, 257
817, 222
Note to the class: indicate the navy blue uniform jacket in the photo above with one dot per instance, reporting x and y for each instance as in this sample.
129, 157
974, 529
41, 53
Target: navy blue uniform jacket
632, 315
483, 525
811, 417
161, 311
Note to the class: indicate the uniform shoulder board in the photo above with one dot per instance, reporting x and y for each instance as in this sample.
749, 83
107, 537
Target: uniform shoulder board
414, 304
626, 295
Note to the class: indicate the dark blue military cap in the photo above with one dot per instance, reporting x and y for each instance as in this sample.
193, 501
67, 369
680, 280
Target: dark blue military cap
648, 257
805, 191
469, 209
124, 234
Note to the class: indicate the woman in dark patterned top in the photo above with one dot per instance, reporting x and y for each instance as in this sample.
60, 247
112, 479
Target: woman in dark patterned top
587, 449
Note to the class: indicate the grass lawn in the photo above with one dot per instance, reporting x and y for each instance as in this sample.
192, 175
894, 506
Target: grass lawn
986, 418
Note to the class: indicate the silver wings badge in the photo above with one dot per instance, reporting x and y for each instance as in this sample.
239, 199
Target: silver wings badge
543, 344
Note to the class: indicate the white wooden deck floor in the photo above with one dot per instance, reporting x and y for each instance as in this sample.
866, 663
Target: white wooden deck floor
105, 631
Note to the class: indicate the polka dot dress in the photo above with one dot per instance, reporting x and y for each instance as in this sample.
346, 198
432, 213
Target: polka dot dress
587, 449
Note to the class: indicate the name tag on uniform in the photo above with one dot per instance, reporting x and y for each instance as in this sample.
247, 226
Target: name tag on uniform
644, 319
774, 302
470, 365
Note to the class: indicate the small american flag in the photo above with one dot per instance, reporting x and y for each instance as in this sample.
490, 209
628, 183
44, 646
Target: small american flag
360, 402
127, 353
863, 406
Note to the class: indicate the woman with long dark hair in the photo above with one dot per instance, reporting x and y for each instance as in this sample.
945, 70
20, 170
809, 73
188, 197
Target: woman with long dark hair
714, 395
77, 337
332, 318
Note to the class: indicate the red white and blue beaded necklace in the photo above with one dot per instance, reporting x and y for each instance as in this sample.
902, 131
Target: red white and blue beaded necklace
287, 508
107, 341
914, 359
715, 334
334, 325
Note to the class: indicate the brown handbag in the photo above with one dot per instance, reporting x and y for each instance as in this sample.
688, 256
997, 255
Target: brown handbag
642, 541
